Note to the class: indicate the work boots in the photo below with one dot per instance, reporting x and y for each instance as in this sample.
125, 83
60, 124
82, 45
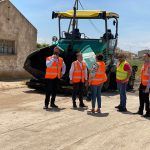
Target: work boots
53, 105
45, 107
118, 106
147, 114
82, 104
139, 113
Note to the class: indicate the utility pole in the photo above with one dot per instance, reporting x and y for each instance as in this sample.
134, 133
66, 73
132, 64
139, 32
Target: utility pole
75, 8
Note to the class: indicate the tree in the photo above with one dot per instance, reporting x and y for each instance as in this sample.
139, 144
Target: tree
41, 45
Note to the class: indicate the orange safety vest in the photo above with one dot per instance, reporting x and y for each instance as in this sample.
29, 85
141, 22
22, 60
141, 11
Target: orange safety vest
145, 74
100, 76
54, 71
78, 73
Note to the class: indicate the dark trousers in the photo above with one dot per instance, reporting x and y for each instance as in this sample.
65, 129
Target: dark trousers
144, 99
78, 90
51, 89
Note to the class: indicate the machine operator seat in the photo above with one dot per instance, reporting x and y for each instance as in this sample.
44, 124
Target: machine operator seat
74, 34
110, 35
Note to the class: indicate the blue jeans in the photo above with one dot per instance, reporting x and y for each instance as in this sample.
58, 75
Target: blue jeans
122, 90
89, 95
96, 94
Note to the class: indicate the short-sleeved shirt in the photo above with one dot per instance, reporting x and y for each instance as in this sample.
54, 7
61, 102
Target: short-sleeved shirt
127, 67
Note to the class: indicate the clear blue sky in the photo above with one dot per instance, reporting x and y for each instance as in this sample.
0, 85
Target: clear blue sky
134, 21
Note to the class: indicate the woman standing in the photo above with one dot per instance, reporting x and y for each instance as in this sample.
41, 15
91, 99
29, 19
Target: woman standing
97, 77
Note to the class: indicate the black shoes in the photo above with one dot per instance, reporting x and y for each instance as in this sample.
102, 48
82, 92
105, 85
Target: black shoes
54, 106
118, 106
138, 113
141, 113
122, 109
82, 105
45, 107
146, 115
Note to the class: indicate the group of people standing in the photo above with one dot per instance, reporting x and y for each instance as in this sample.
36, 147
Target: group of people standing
80, 76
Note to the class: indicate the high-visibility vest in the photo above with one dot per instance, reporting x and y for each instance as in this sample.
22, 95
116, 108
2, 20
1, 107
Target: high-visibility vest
145, 74
78, 73
54, 71
100, 75
121, 73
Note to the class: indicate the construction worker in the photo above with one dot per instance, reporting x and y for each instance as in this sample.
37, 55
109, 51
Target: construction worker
78, 77
144, 87
123, 73
96, 82
55, 70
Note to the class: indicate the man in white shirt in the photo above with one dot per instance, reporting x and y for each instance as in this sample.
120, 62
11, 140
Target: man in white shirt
78, 77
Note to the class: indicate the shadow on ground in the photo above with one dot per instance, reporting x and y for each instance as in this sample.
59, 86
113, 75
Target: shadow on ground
32, 91
80, 109
109, 93
97, 114
128, 112
55, 109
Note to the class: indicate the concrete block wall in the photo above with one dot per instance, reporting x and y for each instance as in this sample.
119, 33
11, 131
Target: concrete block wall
14, 26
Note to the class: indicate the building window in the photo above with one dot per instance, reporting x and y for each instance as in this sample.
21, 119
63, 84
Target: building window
7, 47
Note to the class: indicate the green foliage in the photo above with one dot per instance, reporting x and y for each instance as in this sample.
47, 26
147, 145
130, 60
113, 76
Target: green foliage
41, 45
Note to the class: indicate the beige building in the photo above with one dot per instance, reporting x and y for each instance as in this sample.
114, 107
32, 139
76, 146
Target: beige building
141, 53
18, 39
128, 54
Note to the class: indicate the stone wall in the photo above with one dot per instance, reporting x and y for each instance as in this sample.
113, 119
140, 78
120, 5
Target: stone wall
14, 26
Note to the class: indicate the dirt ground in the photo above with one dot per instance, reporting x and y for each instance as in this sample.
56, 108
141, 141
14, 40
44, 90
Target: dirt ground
24, 125
4, 85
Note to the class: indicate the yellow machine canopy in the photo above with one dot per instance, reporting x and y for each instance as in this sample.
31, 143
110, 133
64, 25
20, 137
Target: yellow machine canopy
85, 14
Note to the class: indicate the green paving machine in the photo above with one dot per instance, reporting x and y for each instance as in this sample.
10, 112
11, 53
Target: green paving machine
106, 44
72, 41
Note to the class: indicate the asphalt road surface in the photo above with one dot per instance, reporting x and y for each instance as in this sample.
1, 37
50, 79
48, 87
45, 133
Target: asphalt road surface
24, 125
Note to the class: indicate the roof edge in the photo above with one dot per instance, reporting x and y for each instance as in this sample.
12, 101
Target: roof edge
21, 14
